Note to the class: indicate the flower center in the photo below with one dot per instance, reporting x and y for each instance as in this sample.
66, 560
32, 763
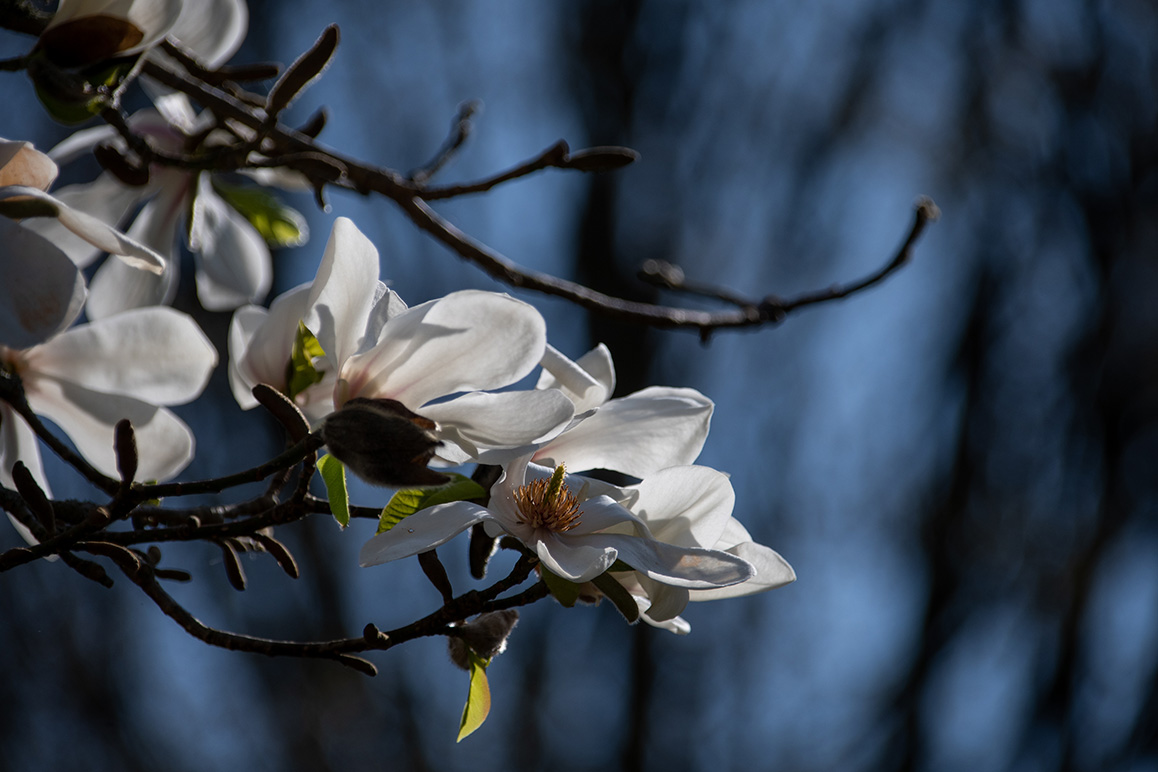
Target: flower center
548, 504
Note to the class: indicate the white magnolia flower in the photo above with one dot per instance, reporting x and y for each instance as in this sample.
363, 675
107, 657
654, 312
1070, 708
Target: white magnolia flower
88, 378
691, 507
576, 533
232, 258
375, 347
637, 435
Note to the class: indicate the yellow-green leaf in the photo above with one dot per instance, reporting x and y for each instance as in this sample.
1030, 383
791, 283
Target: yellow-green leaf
334, 476
278, 224
300, 373
478, 700
409, 500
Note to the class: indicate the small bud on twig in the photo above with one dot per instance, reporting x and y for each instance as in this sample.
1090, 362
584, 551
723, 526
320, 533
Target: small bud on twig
125, 445
284, 410
34, 496
383, 442
486, 636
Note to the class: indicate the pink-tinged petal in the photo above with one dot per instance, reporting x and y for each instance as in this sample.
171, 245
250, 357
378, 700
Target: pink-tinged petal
493, 428
582, 388
93, 230
105, 198
772, 571
212, 29
637, 435
22, 164
421, 532
466, 341
42, 291
677, 566
573, 560
233, 264
164, 442
342, 295
688, 506
154, 354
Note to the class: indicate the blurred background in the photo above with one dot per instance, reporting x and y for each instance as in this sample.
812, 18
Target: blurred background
960, 463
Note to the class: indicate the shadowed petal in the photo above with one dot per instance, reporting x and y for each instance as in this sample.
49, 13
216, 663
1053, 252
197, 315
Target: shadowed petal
678, 566
42, 291
420, 532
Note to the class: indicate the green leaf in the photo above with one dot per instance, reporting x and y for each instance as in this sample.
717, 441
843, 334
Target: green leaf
409, 500
278, 224
71, 99
564, 591
334, 476
618, 594
300, 373
478, 700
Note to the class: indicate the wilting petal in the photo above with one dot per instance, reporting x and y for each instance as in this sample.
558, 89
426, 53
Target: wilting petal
639, 434
678, 566
494, 428
343, 292
22, 164
466, 341
212, 29
164, 442
93, 230
688, 506
580, 386
153, 354
233, 259
421, 532
573, 560
105, 198
772, 571
42, 291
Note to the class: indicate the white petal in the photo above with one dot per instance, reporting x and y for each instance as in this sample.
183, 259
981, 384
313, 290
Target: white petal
105, 198
772, 571
81, 143
421, 532
343, 292
242, 378
387, 305
678, 625
667, 602
212, 29
466, 341
678, 566
637, 435
494, 428
582, 388
42, 291
688, 506
95, 231
573, 560
232, 257
154, 354
164, 442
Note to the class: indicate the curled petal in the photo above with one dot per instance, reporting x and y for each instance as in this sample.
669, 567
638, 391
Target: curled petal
466, 341
420, 532
677, 566
573, 560
22, 164
772, 571
212, 29
93, 230
586, 390
154, 354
